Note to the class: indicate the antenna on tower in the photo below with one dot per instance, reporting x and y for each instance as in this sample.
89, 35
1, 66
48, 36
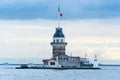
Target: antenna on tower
85, 54
71, 54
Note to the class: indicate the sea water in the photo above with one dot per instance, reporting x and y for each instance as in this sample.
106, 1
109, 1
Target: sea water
106, 73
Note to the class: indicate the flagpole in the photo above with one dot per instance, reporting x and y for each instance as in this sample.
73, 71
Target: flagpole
58, 16
59, 21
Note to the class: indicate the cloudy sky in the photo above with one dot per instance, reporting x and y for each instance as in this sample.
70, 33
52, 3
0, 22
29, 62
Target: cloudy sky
27, 27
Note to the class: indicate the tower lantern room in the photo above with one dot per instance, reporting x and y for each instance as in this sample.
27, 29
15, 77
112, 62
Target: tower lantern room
58, 43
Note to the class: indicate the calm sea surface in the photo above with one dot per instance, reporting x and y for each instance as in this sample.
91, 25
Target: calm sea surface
106, 73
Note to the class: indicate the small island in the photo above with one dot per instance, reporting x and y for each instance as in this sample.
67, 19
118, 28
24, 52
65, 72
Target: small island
60, 60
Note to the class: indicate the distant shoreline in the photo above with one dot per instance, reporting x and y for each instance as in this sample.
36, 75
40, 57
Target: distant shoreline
109, 64
42, 64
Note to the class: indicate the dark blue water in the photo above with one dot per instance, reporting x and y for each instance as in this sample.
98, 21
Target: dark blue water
106, 73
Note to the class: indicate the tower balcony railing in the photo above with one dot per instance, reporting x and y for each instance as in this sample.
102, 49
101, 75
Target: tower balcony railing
58, 43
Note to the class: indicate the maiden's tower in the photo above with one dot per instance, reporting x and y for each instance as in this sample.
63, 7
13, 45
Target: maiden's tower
59, 58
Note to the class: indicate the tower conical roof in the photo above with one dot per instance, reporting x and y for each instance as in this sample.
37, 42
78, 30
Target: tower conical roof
58, 33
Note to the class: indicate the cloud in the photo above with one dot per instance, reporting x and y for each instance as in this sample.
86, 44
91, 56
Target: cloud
112, 53
31, 39
45, 9
16, 2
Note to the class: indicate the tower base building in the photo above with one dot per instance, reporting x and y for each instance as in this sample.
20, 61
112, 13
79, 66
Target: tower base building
59, 57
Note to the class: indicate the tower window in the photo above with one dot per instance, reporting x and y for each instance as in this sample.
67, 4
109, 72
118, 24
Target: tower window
54, 41
66, 58
61, 40
57, 40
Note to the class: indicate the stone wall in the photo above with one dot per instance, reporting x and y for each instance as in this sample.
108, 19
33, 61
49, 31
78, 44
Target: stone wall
68, 61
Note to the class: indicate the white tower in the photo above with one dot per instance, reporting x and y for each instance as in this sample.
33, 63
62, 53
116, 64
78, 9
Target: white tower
95, 65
